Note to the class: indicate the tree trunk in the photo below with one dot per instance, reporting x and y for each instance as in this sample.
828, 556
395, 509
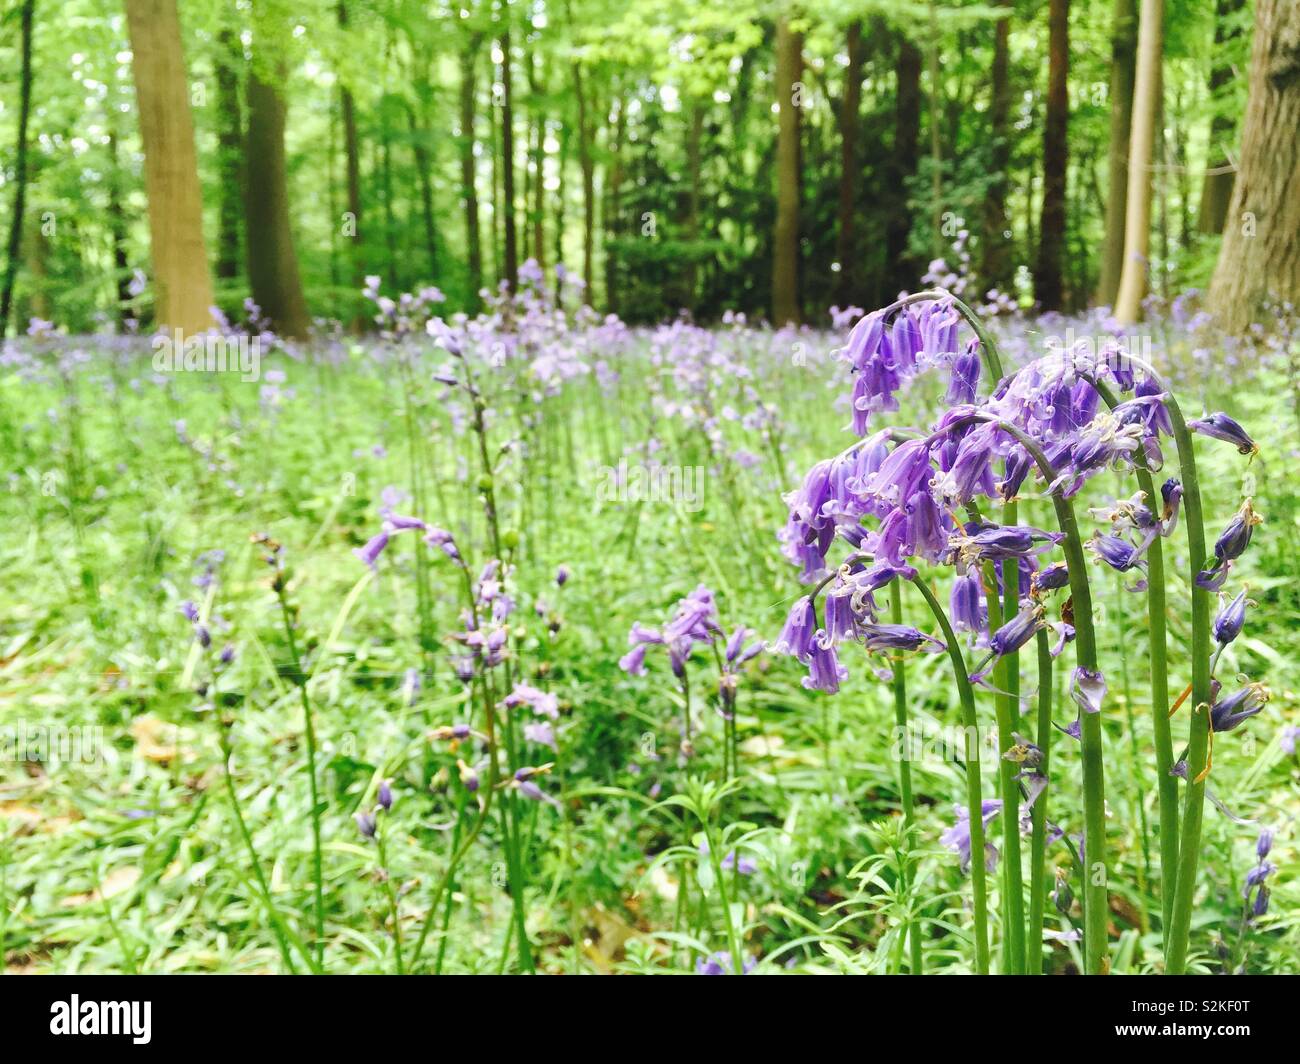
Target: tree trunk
614, 223
468, 185
1146, 109
995, 257
118, 231
352, 155
20, 168
272, 261
539, 163
694, 164
1048, 287
1260, 258
847, 244
508, 165
901, 267
183, 289
1123, 69
586, 163
229, 156
1216, 190
785, 236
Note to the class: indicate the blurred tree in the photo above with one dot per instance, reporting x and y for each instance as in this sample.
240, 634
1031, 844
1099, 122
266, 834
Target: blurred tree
183, 288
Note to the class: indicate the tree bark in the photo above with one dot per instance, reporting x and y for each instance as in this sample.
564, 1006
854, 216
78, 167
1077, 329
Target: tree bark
352, 155
1123, 70
229, 156
995, 257
272, 261
785, 235
1146, 109
183, 289
468, 184
508, 165
1260, 257
1048, 286
20, 167
847, 244
901, 267
1216, 190
586, 163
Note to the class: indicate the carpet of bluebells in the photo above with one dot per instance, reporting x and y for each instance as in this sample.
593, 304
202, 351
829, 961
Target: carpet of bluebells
539, 642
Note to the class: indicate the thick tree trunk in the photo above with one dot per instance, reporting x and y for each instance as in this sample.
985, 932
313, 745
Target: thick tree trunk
508, 166
785, 235
1260, 258
1123, 70
272, 261
229, 156
1216, 190
995, 256
901, 267
183, 289
468, 184
1048, 285
847, 245
1146, 110
20, 167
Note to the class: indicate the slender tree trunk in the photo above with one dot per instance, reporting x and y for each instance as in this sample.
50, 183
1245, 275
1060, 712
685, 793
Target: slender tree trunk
1260, 257
901, 268
230, 157
847, 245
539, 162
424, 171
468, 184
20, 167
1123, 70
587, 164
936, 145
614, 223
171, 174
508, 165
352, 154
995, 257
1048, 286
785, 236
694, 165
1216, 190
117, 231
272, 261
1146, 110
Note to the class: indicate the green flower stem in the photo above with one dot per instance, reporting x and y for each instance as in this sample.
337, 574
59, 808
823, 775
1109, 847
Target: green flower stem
1094, 789
309, 729
1190, 844
974, 801
1038, 841
1013, 922
1167, 784
391, 891
904, 765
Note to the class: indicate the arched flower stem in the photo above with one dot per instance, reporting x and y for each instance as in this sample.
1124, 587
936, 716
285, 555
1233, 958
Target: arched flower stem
974, 800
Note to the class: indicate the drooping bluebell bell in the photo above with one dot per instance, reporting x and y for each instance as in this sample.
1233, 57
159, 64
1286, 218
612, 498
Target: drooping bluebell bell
1234, 539
883, 637
957, 838
825, 673
1088, 689
1233, 711
1119, 554
1171, 494
1013, 635
965, 380
1230, 620
1049, 578
1222, 427
796, 636
384, 797
968, 607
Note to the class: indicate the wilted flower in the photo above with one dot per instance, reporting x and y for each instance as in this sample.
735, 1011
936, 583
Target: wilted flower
1221, 427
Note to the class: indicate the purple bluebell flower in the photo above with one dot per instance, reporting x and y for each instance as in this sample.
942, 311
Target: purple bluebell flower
1230, 620
1050, 578
1171, 494
1234, 539
561, 576
720, 964
1221, 427
966, 366
190, 610
883, 637
825, 673
468, 776
385, 795
796, 637
373, 549
366, 824
1118, 553
1011, 637
957, 838
1264, 843
540, 732
1229, 713
1088, 689
967, 605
